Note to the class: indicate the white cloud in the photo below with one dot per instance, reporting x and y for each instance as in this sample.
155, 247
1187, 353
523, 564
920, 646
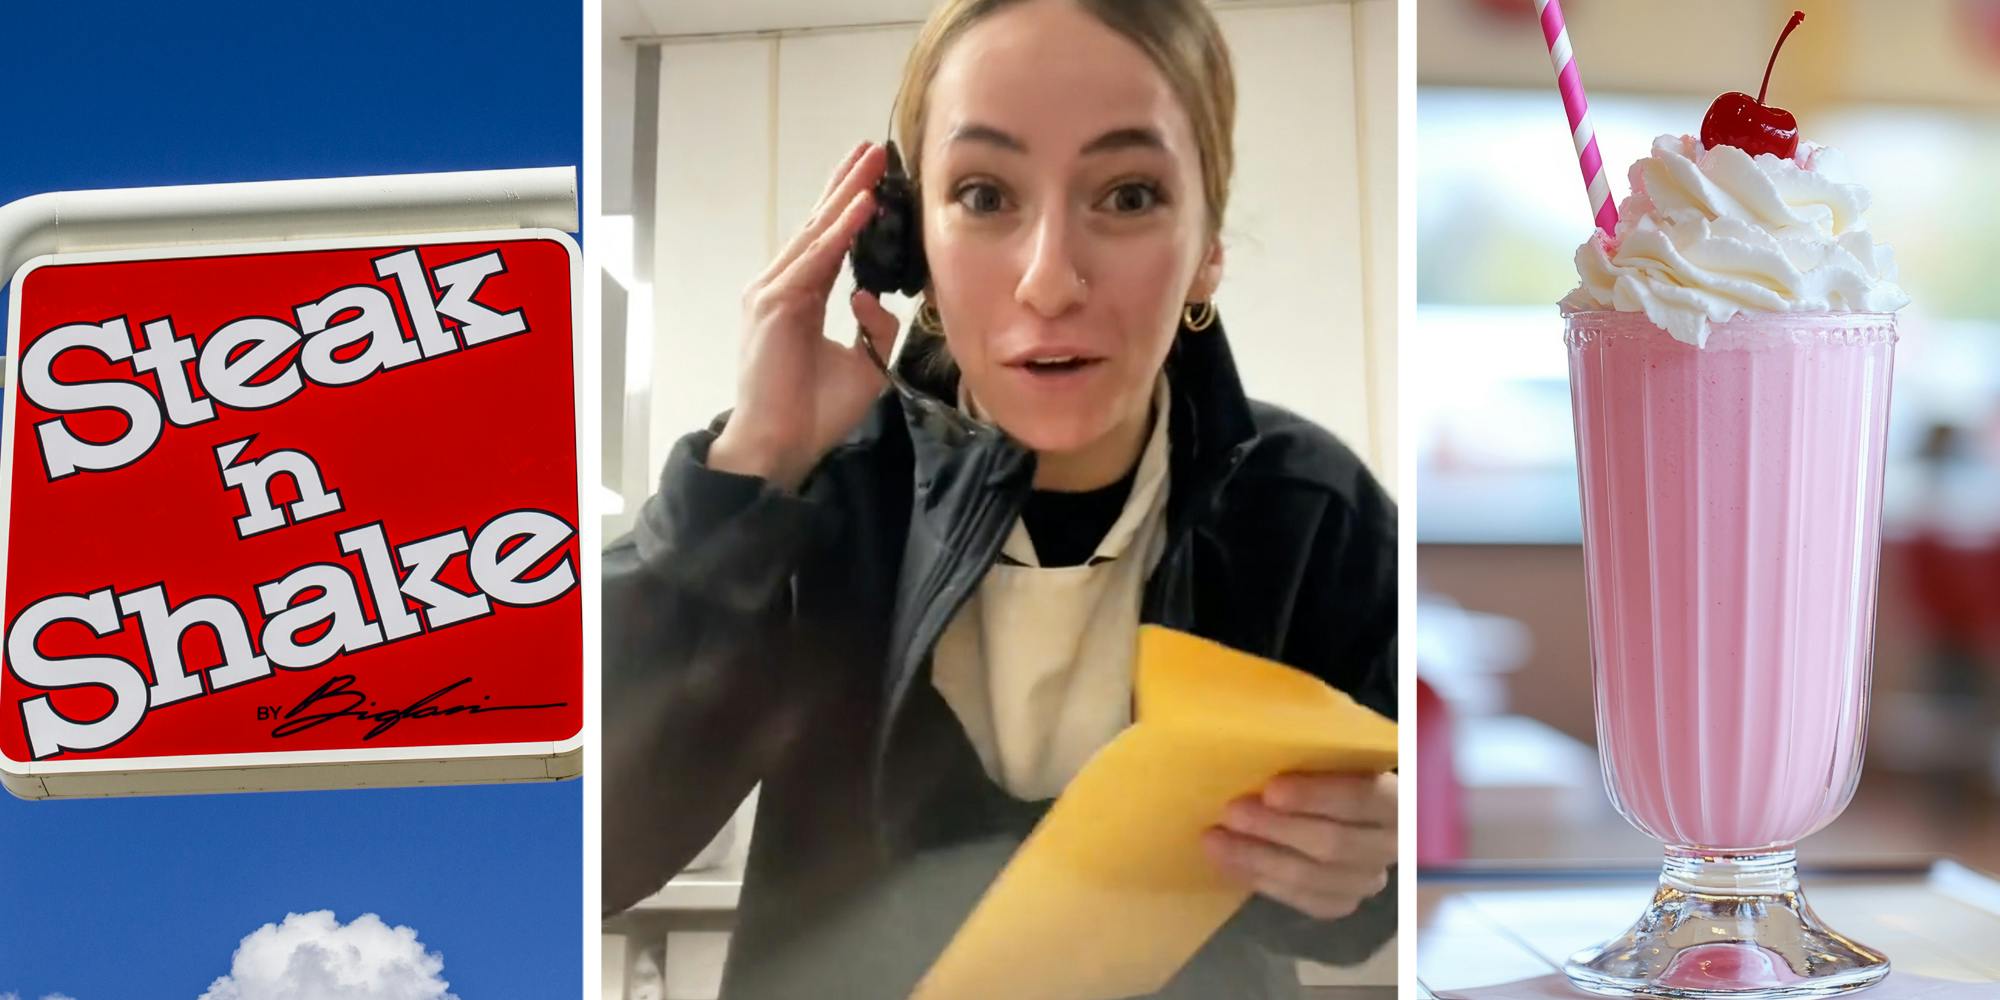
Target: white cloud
11, 995
313, 956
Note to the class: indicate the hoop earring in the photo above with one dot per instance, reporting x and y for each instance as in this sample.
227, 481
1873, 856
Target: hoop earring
1198, 316
927, 318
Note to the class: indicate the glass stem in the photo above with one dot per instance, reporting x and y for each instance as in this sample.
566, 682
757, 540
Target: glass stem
1709, 873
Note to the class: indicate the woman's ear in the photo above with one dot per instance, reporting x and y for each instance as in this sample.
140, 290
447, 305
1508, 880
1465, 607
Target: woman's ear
1208, 276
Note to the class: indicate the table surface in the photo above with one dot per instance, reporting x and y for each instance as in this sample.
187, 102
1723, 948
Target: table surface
1500, 933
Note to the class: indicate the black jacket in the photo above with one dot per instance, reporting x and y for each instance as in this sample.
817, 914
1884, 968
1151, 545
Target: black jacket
753, 635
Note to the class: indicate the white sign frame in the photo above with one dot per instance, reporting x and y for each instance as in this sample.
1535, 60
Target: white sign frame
314, 769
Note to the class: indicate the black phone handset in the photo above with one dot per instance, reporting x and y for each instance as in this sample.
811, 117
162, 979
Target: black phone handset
888, 256
889, 252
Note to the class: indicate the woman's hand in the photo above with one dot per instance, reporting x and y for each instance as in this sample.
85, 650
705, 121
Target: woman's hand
1319, 843
798, 393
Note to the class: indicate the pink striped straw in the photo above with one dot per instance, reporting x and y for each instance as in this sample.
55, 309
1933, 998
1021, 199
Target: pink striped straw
1570, 82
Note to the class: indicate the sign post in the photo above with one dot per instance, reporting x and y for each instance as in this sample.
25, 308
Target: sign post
294, 512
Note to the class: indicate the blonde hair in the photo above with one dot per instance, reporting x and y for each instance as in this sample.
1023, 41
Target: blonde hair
1180, 36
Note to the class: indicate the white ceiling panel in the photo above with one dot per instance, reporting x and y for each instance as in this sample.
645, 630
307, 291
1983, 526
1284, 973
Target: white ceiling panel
699, 17
687, 17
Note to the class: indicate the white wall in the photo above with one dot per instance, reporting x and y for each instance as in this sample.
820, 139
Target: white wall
621, 19
1375, 102
749, 128
713, 230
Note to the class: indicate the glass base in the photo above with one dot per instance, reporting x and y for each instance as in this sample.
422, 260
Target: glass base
1727, 927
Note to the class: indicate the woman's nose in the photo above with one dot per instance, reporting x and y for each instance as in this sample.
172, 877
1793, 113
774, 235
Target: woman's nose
1052, 283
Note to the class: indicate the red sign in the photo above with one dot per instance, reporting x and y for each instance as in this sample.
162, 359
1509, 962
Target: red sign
302, 509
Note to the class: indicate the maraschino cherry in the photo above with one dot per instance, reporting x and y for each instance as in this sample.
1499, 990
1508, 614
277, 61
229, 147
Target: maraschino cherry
1748, 123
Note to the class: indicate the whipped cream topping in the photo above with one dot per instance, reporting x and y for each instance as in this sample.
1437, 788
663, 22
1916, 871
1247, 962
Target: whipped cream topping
1710, 233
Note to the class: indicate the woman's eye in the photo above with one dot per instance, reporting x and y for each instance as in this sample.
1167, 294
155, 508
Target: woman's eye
1131, 199
981, 199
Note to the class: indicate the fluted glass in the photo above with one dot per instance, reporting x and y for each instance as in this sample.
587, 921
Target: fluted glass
1731, 511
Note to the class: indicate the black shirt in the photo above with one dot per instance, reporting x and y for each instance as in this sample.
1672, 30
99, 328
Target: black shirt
1067, 527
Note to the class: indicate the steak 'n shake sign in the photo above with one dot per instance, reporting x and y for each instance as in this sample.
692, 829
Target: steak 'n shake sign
292, 515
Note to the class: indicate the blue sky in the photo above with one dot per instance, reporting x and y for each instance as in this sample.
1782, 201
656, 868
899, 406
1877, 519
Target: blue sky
115, 899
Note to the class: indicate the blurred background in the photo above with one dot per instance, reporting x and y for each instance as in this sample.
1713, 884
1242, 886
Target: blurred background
721, 120
1910, 93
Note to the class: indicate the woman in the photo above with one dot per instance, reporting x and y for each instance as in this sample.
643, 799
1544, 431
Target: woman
913, 639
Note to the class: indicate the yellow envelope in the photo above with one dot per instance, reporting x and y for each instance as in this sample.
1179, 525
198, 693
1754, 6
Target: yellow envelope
1112, 893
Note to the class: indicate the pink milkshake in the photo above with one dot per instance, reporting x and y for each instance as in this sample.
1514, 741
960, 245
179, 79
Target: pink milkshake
1731, 500
1730, 349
